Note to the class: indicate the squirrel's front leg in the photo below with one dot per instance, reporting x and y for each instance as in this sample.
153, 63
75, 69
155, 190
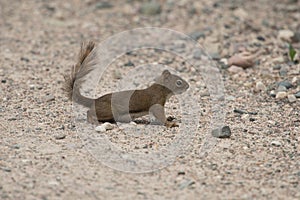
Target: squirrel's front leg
159, 113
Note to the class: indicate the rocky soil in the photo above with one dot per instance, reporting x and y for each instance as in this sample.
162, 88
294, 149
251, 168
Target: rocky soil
43, 154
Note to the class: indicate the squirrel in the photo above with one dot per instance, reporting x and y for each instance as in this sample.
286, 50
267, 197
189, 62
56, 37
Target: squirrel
122, 106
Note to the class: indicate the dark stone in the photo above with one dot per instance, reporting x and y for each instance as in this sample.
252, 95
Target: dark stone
252, 119
181, 173
129, 64
3, 81
24, 59
223, 132
261, 38
297, 95
286, 84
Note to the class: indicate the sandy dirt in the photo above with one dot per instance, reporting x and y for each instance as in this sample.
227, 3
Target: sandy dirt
42, 153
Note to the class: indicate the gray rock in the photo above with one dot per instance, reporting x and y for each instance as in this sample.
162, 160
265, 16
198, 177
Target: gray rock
197, 54
260, 86
283, 71
297, 95
215, 55
296, 37
151, 8
286, 84
277, 67
49, 98
223, 132
196, 35
103, 5
281, 88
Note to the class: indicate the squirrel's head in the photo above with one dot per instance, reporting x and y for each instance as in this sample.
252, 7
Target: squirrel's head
173, 82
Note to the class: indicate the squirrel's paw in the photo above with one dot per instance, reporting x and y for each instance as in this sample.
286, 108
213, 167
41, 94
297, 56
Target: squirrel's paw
171, 124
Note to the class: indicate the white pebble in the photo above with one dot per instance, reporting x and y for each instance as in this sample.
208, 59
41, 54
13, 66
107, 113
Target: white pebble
292, 98
281, 95
276, 143
108, 126
100, 128
285, 35
133, 123
260, 86
295, 80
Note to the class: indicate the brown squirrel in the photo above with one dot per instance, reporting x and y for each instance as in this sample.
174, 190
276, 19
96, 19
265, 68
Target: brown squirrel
127, 105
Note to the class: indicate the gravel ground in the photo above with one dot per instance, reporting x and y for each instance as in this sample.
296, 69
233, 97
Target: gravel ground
43, 156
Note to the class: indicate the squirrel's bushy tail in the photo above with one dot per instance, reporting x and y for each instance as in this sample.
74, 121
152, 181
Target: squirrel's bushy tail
83, 66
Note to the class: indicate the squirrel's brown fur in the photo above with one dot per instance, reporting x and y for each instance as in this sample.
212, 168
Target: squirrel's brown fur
122, 106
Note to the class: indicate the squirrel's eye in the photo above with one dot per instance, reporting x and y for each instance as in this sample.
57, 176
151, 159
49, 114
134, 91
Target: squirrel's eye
179, 83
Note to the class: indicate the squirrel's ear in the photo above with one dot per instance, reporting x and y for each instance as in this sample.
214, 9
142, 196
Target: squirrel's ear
166, 73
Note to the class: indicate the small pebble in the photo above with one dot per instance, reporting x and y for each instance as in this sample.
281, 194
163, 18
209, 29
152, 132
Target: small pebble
292, 98
283, 71
285, 35
261, 38
296, 37
117, 74
181, 173
60, 136
235, 69
150, 8
281, 88
277, 67
297, 95
197, 54
133, 123
230, 98
223, 132
108, 126
196, 35
129, 64
286, 84
273, 93
103, 5
100, 128
260, 86
295, 80
186, 183
31, 87
49, 98
281, 95
278, 60
276, 143
3, 81
24, 59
